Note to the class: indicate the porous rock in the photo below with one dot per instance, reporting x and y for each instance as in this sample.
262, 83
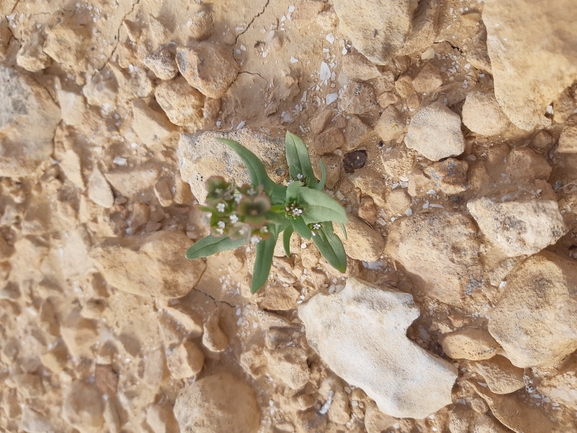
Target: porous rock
391, 125
525, 54
217, 403
367, 325
181, 103
207, 67
289, 364
214, 337
449, 175
483, 115
184, 360
363, 242
162, 63
501, 376
83, 407
540, 296
518, 227
151, 126
568, 138
31, 56
66, 43
148, 266
358, 98
377, 29
562, 387
435, 132
26, 106
439, 251
201, 155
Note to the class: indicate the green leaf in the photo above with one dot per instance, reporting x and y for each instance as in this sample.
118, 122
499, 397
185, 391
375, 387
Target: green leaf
286, 240
255, 167
263, 262
211, 245
292, 191
320, 186
344, 230
331, 247
318, 207
301, 227
298, 160
277, 218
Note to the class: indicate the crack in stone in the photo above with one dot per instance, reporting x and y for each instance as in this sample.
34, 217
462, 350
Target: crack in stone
216, 302
14, 8
251, 22
253, 73
118, 35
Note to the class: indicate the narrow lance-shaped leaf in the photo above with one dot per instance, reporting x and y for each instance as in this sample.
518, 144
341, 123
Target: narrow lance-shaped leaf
320, 186
211, 245
319, 207
286, 240
292, 191
301, 227
298, 159
331, 247
263, 262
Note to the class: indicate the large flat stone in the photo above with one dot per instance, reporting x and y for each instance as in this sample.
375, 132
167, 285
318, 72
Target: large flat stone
360, 333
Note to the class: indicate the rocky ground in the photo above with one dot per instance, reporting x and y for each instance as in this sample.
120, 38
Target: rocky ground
449, 131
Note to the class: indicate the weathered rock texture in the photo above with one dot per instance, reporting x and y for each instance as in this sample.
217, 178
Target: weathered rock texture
518, 228
28, 119
533, 51
149, 266
361, 334
440, 253
215, 404
540, 296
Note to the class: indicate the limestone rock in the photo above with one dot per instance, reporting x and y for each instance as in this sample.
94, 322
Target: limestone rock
358, 98
368, 325
26, 106
80, 335
363, 242
515, 413
217, 403
358, 68
439, 251
31, 56
149, 266
201, 24
562, 387
213, 337
518, 228
469, 343
162, 63
201, 155
483, 115
449, 175
289, 365
328, 141
377, 29
66, 43
184, 360
34, 422
428, 79
540, 296
99, 190
207, 67
181, 103
101, 89
83, 407
73, 107
161, 419
435, 132
501, 376
151, 126
568, 139
391, 125
525, 54
131, 182
70, 163
163, 192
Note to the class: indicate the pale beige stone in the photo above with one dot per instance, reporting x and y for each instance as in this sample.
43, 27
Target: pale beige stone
502, 377
362, 242
469, 343
99, 190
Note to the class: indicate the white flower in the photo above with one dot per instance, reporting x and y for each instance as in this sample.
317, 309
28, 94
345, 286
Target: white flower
255, 239
221, 225
233, 219
299, 176
220, 207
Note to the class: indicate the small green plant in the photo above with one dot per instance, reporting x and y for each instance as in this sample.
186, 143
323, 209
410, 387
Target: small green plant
258, 213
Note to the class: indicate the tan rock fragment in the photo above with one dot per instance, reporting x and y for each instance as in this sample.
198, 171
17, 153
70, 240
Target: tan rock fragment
289, 365
328, 141
66, 43
449, 175
518, 227
161, 419
201, 24
131, 182
199, 406
562, 387
428, 79
539, 295
391, 125
358, 98
70, 163
214, 337
182, 193
34, 422
99, 190
439, 251
80, 335
435, 132
162, 63
31, 57
184, 360
502, 377
568, 139
163, 192
83, 407
182, 103
207, 67
151, 126
73, 107
469, 343
483, 115
150, 266
363, 242
358, 68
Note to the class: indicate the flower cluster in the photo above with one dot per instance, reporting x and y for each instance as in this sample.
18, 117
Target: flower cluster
237, 212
